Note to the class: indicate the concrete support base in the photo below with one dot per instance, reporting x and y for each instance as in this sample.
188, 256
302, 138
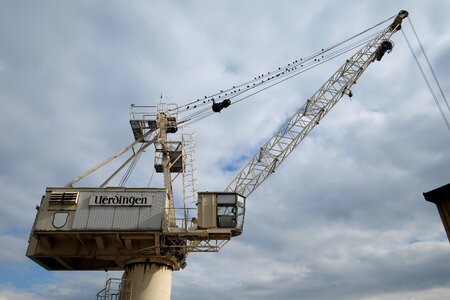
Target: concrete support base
151, 281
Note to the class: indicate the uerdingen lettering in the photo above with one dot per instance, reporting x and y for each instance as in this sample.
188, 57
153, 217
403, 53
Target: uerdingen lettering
118, 200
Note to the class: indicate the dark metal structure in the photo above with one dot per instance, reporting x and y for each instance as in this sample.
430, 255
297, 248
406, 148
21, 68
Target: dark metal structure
441, 197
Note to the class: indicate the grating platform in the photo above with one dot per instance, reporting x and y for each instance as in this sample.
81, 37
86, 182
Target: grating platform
139, 127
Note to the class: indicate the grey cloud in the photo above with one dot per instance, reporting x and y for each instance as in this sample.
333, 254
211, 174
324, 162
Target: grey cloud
343, 217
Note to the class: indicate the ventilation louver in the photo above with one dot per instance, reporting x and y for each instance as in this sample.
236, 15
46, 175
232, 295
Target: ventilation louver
63, 198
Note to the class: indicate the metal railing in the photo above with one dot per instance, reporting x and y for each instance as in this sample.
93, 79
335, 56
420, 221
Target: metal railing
143, 112
185, 218
116, 289
147, 112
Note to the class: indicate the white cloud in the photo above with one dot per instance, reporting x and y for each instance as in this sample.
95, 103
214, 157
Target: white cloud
431, 294
7, 293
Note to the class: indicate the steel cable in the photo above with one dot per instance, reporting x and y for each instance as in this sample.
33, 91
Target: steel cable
191, 119
427, 82
429, 64
241, 88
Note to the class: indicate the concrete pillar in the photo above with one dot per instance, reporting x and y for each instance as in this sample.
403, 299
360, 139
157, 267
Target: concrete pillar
150, 281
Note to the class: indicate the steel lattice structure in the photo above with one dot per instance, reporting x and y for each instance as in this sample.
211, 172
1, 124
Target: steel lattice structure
292, 133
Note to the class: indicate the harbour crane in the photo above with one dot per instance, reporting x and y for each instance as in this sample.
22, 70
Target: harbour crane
141, 230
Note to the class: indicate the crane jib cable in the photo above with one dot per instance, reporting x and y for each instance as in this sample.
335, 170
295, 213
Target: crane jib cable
422, 71
133, 164
205, 112
260, 79
429, 64
297, 62
288, 75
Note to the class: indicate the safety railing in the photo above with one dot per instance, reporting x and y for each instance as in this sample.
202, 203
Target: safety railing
116, 289
149, 112
185, 218
143, 112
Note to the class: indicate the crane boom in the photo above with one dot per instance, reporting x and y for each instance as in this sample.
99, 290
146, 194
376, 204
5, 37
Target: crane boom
291, 133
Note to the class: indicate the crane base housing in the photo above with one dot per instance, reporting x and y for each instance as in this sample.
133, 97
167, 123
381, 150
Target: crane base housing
108, 228
96, 228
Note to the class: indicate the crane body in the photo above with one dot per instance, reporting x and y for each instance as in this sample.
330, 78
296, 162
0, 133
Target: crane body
141, 230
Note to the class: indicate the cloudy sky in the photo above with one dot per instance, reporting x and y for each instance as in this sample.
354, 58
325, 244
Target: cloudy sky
342, 218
